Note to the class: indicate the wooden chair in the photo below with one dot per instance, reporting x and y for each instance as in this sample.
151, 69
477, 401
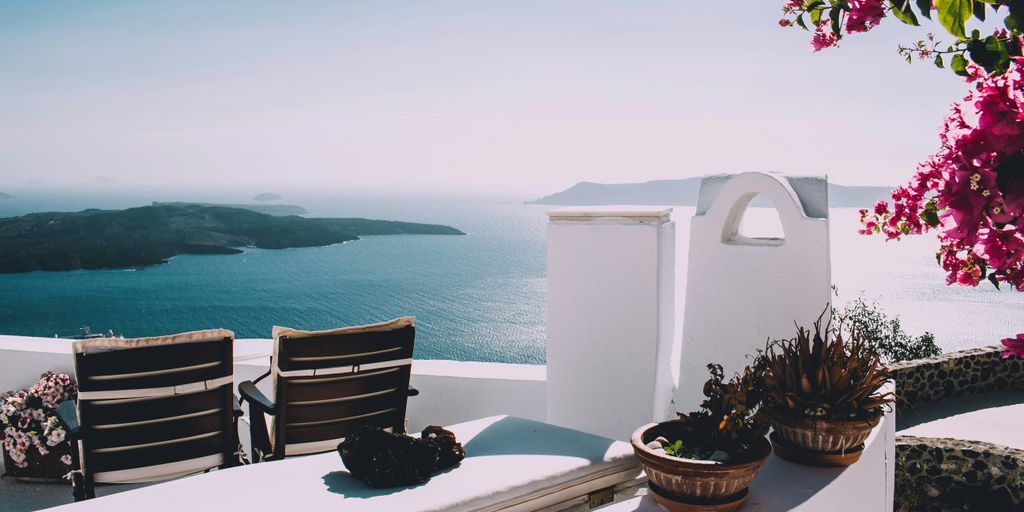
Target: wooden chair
151, 409
329, 383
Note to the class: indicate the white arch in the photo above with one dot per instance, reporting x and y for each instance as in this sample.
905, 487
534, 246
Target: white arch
741, 291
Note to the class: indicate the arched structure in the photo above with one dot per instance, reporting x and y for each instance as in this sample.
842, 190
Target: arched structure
742, 291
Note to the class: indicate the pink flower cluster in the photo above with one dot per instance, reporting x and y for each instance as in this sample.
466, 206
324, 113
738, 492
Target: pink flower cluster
863, 15
28, 419
1014, 346
972, 191
974, 185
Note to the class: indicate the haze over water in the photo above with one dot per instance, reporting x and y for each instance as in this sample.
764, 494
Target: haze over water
479, 297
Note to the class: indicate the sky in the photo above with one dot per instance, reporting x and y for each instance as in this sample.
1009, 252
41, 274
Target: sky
521, 98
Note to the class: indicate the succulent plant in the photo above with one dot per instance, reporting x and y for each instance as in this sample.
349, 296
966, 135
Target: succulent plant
821, 374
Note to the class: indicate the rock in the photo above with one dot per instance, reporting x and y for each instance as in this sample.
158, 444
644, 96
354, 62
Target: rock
383, 459
719, 456
450, 451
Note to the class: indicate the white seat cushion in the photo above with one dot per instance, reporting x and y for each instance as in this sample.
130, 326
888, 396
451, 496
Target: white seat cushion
511, 464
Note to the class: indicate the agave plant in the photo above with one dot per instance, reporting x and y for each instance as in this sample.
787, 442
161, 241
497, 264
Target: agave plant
821, 374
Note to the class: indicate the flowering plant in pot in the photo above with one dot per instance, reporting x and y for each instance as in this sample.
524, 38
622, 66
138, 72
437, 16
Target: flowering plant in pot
34, 444
823, 395
706, 459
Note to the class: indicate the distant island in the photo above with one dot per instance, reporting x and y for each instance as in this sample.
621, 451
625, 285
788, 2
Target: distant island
150, 235
277, 210
267, 196
5, 196
684, 193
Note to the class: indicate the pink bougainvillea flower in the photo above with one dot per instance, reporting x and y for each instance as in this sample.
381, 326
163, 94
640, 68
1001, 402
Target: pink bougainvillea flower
823, 39
971, 191
864, 15
1014, 346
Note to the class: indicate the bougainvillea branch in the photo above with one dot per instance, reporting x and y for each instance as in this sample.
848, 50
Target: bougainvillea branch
971, 192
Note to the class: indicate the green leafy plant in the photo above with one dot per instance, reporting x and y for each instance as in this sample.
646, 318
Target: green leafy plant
727, 420
822, 375
882, 333
675, 449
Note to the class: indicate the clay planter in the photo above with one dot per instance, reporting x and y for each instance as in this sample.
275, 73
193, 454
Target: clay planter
40, 467
681, 485
819, 442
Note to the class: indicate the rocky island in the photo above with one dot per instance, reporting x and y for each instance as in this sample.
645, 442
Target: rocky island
267, 196
150, 235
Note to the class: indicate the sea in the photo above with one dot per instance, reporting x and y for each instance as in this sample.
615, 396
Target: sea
479, 297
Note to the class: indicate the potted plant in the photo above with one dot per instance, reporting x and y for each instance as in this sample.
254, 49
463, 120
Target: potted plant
823, 396
33, 442
706, 459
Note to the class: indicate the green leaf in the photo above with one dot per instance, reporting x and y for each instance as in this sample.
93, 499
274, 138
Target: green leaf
816, 17
834, 15
1014, 21
800, 21
959, 64
926, 8
992, 279
953, 14
938, 62
990, 53
901, 9
979, 10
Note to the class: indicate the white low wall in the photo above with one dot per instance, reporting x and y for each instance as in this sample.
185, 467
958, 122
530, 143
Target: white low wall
450, 391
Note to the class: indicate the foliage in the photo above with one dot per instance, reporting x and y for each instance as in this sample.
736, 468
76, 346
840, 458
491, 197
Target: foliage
882, 333
28, 419
831, 20
971, 192
823, 375
727, 419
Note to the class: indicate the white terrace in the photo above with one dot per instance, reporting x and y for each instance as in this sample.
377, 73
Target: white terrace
614, 358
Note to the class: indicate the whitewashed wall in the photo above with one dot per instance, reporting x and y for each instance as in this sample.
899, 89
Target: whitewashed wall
610, 318
742, 291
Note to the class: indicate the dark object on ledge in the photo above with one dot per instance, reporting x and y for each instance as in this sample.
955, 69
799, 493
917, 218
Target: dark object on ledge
383, 459
451, 452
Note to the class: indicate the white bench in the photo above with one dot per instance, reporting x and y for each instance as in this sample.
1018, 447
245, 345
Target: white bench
511, 464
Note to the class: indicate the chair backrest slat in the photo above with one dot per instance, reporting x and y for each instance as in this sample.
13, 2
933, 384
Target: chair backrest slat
120, 431
101, 461
317, 410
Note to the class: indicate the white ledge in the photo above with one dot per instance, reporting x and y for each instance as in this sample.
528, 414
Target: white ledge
642, 214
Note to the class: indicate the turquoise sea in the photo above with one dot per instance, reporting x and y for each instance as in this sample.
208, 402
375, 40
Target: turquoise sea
479, 297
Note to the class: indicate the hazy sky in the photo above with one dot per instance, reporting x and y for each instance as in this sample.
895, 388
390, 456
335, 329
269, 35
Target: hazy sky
515, 96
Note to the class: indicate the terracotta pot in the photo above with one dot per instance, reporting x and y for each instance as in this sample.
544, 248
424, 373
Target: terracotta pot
705, 486
40, 467
819, 442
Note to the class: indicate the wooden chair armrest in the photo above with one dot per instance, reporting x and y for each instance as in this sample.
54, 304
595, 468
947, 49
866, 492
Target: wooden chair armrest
257, 400
67, 415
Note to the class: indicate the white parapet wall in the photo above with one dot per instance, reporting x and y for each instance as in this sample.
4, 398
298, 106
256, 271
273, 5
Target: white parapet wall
611, 290
450, 391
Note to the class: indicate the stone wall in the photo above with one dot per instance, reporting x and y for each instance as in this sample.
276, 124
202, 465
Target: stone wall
967, 372
954, 474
